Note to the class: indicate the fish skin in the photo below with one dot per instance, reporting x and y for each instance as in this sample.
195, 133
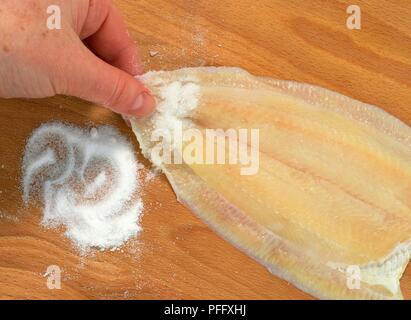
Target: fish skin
333, 189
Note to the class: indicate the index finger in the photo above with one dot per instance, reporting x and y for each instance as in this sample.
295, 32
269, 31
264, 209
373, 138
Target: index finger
106, 35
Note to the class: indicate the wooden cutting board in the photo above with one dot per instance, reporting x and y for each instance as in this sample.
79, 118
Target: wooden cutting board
176, 255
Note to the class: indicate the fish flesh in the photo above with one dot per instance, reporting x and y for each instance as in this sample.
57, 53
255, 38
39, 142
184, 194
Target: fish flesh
314, 185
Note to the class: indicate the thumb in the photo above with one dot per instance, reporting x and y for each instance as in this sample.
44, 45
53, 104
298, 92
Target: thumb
94, 80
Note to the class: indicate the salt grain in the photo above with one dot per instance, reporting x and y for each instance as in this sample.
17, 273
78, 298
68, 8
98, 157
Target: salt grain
87, 181
176, 101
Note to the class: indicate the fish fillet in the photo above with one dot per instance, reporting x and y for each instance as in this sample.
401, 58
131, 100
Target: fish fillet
328, 208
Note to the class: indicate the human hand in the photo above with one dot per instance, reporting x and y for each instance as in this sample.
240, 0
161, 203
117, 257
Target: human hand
92, 56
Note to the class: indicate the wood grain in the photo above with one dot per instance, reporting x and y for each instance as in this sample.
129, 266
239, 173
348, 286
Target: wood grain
176, 255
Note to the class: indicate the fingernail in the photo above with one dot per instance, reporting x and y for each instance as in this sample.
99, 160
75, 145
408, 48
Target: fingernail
139, 103
143, 105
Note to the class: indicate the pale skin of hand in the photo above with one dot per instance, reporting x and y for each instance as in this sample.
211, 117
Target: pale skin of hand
92, 56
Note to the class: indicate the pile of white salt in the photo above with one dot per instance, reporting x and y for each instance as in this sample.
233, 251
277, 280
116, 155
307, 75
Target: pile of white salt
175, 103
87, 182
